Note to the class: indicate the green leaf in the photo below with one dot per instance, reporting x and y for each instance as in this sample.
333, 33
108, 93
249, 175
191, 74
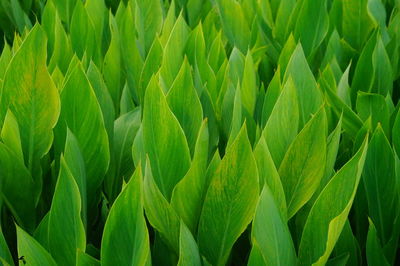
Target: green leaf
82, 32
234, 24
382, 193
10, 135
74, 159
188, 250
36, 103
125, 239
112, 64
83, 259
188, 195
312, 25
132, 61
159, 212
374, 106
309, 96
271, 232
285, 10
181, 95
34, 254
78, 100
356, 24
374, 252
174, 52
66, 230
299, 174
103, 97
65, 8
383, 76
249, 87
282, 125
327, 217
5, 254
268, 175
150, 67
163, 134
148, 21
125, 130
230, 201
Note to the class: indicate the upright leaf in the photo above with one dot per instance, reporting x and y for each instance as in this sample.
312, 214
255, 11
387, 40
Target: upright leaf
33, 253
380, 185
329, 213
82, 114
230, 201
66, 230
125, 239
36, 103
181, 95
298, 171
159, 212
310, 98
271, 232
188, 195
162, 135
148, 21
188, 250
312, 24
282, 125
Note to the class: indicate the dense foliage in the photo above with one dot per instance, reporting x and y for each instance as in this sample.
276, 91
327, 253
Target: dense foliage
199, 132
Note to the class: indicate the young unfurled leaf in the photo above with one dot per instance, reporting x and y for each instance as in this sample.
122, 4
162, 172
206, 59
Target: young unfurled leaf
299, 174
230, 201
329, 213
163, 136
125, 239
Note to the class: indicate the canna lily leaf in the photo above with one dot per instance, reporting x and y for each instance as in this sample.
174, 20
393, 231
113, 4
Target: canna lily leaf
148, 21
163, 134
309, 96
188, 250
159, 212
230, 201
282, 125
300, 178
327, 218
181, 95
188, 194
271, 232
381, 193
36, 104
312, 25
125, 239
66, 230
78, 100
33, 253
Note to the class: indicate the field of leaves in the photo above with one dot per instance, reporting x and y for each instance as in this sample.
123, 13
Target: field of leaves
199, 132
